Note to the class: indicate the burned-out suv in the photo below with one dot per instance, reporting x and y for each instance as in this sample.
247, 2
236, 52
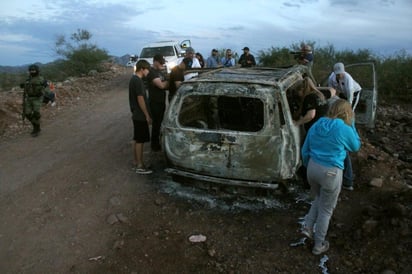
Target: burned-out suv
234, 126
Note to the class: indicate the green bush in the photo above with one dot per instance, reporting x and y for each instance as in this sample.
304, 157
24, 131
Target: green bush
79, 56
394, 79
10, 80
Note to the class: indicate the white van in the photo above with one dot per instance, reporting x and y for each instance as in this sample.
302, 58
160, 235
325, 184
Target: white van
172, 51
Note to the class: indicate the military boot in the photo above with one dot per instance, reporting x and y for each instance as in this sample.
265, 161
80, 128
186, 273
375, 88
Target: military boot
36, 131
34, 128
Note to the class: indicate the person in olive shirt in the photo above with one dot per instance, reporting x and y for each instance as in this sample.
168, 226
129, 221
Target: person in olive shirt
247, 59
34, 89
157, 86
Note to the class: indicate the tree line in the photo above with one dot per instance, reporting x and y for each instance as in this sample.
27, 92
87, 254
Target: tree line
393, 72
78, 56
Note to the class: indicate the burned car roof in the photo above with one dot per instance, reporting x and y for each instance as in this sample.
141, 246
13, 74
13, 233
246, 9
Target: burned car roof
257, 75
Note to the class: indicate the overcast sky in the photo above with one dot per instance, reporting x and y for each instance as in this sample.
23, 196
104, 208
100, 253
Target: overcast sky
28, 28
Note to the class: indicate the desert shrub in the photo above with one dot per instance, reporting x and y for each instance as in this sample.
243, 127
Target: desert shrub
394, 80
10, 80
79, 54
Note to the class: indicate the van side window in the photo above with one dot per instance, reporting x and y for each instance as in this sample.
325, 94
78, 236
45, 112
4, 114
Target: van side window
222, 112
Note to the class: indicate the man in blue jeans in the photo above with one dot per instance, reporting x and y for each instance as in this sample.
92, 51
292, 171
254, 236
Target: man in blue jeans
347, 182
347, 174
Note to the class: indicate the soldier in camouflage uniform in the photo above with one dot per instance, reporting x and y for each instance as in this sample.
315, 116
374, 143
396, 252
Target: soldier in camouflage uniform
34, 88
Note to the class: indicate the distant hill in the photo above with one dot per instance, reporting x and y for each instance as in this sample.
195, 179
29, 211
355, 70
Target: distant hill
13, 70
121, 60
23, 68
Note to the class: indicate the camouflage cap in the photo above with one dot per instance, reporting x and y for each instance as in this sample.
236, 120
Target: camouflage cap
34, 67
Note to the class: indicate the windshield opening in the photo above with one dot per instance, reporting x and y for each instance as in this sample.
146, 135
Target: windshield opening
150, 52
222, 112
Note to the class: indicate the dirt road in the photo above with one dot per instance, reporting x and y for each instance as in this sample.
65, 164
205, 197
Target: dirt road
70, 203
56, 190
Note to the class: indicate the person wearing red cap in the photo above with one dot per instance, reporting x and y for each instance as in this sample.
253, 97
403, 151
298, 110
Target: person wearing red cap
247, 59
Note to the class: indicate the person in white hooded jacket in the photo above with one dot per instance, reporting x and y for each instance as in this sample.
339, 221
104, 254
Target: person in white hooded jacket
345, 85
323, 154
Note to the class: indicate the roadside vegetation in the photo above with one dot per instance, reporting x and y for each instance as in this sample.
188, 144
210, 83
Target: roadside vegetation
393, 72
78, 56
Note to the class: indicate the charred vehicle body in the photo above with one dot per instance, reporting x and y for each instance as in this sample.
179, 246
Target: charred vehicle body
234, 126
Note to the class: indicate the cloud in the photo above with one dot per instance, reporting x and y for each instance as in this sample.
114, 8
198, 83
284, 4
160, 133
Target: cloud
14, 38
122, 26
291, 5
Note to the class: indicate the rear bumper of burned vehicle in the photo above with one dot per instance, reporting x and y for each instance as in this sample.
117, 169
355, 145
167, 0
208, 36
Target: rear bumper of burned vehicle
221, 181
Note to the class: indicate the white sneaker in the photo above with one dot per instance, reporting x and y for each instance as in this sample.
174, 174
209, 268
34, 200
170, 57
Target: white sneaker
317, 250
349, 188
307, 232
143, 171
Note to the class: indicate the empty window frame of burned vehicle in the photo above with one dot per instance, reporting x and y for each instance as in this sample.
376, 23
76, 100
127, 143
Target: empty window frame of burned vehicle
223, 107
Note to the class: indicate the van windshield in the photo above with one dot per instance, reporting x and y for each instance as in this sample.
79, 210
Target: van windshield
152, 51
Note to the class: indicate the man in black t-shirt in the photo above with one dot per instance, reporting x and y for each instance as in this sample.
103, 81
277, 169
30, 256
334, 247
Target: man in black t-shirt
247, 59
140, 115
157, 86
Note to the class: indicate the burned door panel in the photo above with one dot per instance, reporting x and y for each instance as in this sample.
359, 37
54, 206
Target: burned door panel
365, 75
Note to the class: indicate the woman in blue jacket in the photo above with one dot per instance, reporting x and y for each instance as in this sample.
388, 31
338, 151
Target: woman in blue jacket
323, 153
